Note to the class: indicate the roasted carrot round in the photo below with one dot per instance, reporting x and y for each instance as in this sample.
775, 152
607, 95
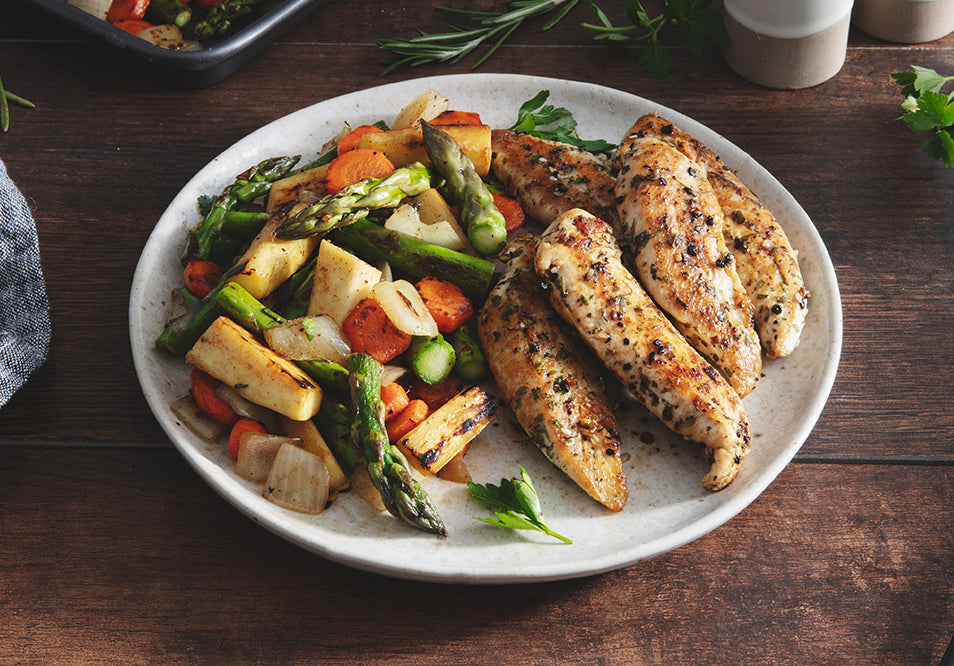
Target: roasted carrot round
201, 276
452, 117
351, 140
394, 398
369, 330
511, 210
356, 165
434, 395
415, 412
203, 387
448, 305
242, 426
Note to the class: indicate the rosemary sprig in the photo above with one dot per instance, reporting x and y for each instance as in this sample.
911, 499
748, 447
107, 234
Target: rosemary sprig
5, 97
694, 23
480, 27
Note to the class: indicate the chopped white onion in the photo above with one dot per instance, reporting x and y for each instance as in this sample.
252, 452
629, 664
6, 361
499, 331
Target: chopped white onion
256, 454
298, 481
309, 338
246, 408
391, 373
196, 420
405, 307
406, 220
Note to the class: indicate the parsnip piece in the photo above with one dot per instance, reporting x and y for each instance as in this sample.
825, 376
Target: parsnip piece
297, 187
231, 354
270, 261
427, 106
342, 280
448, 430
406, 146
311, 440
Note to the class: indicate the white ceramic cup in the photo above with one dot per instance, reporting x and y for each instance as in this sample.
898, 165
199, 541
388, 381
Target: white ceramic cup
787, 43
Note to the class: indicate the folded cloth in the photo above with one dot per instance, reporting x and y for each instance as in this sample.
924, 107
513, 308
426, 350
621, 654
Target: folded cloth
24, 308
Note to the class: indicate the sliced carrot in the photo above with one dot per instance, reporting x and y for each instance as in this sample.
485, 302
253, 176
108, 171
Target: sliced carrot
352, 138
203, 387
434, 395
201, 276
394, 398
512, 211
369, 330
242, 426
449, 306
452, 117
356, 165
134, 26
124, 10
415, 412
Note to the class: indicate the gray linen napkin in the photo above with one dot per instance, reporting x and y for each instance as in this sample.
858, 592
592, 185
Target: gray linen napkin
24, 308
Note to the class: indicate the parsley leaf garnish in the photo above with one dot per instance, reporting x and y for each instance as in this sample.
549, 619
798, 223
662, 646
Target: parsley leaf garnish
537, 118
928, 109
515, 503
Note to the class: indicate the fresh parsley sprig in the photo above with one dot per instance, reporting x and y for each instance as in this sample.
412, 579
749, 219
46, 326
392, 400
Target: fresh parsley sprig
478, 28
693, 22
515, 503
537, 118
928, 109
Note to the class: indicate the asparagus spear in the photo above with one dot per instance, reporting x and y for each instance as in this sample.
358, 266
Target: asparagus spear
222, 16
247, 186
248, 311
417, 258
355, 202
471, 364
401, 494
175, 12
485, 225
334, 423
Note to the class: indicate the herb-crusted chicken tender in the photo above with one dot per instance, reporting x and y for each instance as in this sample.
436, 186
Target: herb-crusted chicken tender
546, 377
580, 262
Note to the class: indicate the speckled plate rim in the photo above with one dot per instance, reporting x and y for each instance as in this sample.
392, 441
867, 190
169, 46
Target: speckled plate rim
667, 507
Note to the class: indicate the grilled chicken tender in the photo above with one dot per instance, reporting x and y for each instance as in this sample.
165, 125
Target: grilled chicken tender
670, 225
554, 394
764, 258
549, 177
580, 262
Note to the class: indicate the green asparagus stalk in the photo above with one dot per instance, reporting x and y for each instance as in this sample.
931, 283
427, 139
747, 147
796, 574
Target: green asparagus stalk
417, 258
471, 365
486, 226
249, 312
180, 333
431, 359
293, 296
243, 224
334, 423
223, 16
354, 202
175, 12
247, 186
402, 495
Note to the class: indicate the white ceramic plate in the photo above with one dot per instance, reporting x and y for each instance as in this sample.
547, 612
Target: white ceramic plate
667, 506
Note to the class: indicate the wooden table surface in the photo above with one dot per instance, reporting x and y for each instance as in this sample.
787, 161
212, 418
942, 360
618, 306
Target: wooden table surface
113, 550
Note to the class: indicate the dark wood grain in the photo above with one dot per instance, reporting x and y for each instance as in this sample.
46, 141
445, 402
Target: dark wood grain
113, 550
122, 555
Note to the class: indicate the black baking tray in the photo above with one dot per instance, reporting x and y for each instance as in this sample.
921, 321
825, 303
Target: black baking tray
187, 69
